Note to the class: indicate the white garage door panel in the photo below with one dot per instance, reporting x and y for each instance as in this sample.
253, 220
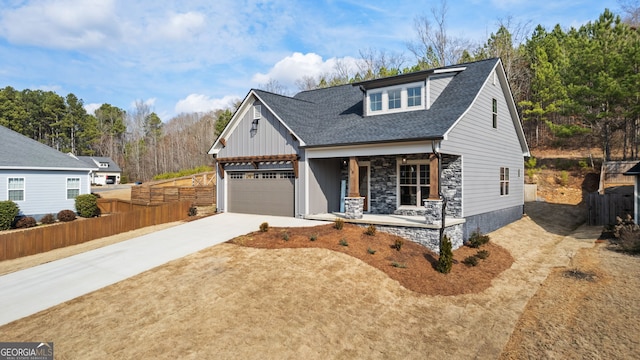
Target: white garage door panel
268, 193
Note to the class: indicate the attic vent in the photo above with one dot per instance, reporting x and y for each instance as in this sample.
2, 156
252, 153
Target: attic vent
257, 111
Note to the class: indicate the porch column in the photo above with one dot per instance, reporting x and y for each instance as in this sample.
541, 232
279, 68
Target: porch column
353, 203
434, 177
354, 178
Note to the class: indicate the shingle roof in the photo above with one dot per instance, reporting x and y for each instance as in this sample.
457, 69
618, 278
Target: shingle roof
19, 151
333, 116
635, 170
113, 167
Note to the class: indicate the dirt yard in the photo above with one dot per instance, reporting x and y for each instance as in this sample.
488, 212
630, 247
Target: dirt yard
237, 302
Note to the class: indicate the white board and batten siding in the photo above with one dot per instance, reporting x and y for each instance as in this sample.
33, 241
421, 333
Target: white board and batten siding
45, 192
485, 150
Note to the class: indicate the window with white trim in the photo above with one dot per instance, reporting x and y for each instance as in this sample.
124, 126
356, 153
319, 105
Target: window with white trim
15, 188
73, 188
395, 99
257, 111
494, 111
413, 181
375, 102
414, 96
504, 181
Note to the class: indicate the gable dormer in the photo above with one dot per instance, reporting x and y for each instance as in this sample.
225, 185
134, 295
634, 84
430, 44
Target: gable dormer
407, 92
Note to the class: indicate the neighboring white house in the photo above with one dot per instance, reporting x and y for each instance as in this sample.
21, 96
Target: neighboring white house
108, 171
39, 179
400, 143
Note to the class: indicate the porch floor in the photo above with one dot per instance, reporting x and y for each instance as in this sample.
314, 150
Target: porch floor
385, 220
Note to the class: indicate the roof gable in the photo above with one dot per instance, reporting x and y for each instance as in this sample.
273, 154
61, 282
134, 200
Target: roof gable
334, 116
20, 152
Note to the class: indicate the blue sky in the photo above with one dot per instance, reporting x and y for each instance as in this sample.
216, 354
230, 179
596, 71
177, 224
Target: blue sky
201, 55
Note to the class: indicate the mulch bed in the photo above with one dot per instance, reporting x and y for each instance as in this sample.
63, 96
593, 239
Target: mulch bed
415, 264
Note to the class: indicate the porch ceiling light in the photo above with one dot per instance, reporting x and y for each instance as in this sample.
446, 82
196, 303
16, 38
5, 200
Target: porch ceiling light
404, 160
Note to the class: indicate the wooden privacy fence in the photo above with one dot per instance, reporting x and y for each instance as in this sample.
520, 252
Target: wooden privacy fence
198, 195
603, 209
40, 239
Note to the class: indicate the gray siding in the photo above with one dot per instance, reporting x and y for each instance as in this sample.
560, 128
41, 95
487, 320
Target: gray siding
484, 150
45, 191
324, 186
436, 85
490, 221
271, 138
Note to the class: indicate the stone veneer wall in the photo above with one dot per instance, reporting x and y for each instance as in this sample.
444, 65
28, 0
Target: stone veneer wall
425, 236
384, 182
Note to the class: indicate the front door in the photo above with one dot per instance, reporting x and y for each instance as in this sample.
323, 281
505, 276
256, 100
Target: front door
364, 184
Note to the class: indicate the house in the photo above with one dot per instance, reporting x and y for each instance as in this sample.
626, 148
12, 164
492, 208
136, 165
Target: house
39, 179
108, 171
398, 147
635, 172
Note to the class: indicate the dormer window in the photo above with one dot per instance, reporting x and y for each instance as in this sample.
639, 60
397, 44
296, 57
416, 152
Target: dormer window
406, 97
395, 99
104, 165
375, 102
414, 96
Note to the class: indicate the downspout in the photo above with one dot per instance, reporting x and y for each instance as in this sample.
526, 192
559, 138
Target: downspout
444, 199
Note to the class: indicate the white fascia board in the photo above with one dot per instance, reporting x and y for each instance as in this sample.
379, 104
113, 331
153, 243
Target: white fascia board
511, 103
370, 149
449, 70
46, 168
233, 123
301, 142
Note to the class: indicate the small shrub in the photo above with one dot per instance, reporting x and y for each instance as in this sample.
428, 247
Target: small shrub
285, 236
338, 224
445, 260
264, 227
627, 235
477, 239
396, 264
193, 211
470, 261
343, 242
482, 254
313, 237
87, 206
583, 164
66, 215
564, 178
371, 251
26, 222
48, 219
371, 230
531, 163
397, 244
8, 212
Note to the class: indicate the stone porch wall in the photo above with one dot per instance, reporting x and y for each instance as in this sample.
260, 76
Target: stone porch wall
425, 236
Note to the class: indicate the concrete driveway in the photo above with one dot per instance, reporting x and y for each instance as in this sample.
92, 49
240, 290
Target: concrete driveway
29, 291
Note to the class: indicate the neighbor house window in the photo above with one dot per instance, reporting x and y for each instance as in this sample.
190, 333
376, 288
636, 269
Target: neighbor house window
414, 183
375, 102
16, 189
395, 99
504, 181
414, 96
494, 109
73, 188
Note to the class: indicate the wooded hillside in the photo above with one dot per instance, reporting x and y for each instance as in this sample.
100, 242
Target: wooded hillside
575, 88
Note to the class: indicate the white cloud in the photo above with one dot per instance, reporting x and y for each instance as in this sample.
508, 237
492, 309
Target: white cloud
91, 108
203, 103
66, 24
298, 65
183, 26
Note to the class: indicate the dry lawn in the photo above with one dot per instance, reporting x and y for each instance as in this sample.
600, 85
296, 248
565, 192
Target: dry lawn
238, 302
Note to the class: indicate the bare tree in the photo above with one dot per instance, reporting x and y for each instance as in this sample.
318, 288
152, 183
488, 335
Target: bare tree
375, 63
630, 11
434, 46
274, 86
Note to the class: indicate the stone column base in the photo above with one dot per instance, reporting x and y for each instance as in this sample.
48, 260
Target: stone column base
353, 207
433, 212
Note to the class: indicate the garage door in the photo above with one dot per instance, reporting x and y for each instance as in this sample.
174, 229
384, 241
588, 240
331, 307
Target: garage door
268, 193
